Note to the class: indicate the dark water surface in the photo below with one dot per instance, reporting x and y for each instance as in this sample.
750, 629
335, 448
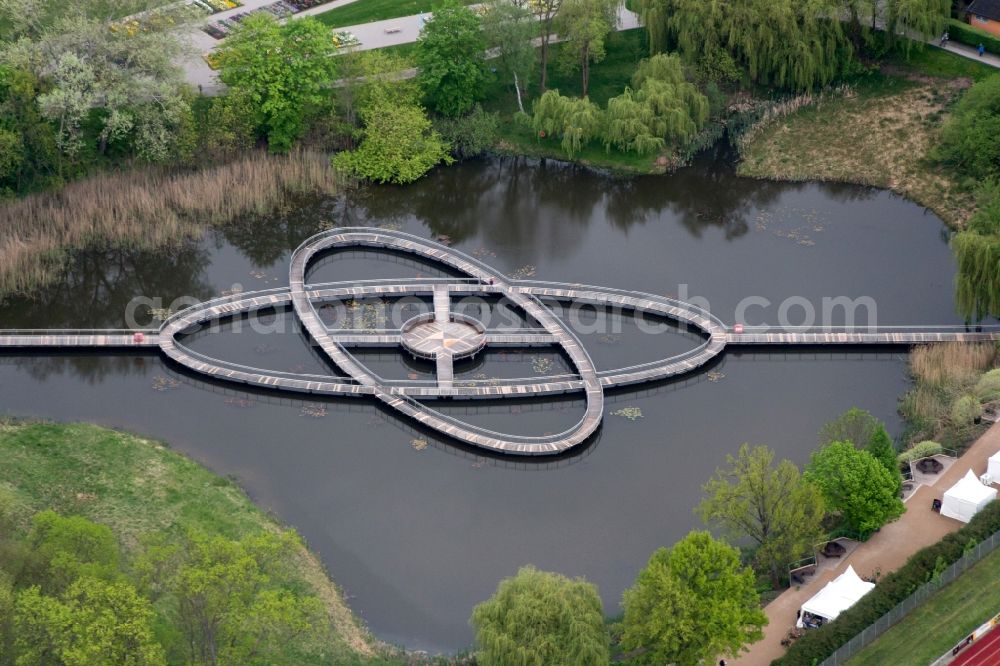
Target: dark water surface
417, 537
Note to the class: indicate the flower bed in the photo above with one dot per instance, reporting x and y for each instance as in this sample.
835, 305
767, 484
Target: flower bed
280, 9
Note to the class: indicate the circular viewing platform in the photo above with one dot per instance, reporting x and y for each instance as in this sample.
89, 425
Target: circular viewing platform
426, 337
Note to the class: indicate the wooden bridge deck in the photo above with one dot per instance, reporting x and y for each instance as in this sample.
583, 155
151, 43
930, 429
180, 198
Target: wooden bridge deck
526, 295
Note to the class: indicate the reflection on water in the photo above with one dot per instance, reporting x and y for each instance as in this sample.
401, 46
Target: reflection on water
418, 534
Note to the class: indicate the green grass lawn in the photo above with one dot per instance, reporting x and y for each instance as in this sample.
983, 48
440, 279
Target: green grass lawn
936, 62
941, 621
138, 487
366, 11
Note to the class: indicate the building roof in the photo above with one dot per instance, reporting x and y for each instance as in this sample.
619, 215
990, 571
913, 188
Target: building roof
986, 8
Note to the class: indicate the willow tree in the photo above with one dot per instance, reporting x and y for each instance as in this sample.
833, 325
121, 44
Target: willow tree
661, 107
915, 18
977, 253
541, 618
785, 43
577, 121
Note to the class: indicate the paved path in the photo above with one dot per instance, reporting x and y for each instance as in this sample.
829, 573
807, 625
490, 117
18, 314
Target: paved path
885, 552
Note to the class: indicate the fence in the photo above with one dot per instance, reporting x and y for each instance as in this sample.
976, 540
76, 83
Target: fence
884, 623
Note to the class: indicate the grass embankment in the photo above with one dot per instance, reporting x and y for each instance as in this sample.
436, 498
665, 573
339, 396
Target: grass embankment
146, 208
941, 621
878, 135
607, 78
138, 488
366, 11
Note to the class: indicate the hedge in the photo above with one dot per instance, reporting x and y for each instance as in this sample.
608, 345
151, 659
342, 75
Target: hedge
963, 33
818, 644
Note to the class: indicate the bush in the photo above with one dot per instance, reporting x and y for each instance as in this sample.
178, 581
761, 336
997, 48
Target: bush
988, 386
471, 135
965, 409
920, 450
963, 33
970, 140
818, 644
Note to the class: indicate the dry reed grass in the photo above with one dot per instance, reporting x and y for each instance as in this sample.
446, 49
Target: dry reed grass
145, 208
952, 362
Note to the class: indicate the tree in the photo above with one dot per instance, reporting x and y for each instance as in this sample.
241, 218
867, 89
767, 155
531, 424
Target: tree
93, 622
856, 484
546, 11
230, 599
881, 448
661, 107
769, 504
577, 121
542, 619
63, 548
857, 426
398, 145
28, 151
450, 57
585, 24
85, 64
924, 18
970, 139
784, 43
510, 28
284, 70
692, 603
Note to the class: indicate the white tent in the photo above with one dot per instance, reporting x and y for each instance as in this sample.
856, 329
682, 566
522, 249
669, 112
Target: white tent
966, 498
993, 467
838, 595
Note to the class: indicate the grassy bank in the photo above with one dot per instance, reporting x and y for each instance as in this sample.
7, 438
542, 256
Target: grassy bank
941, 621
139, 488
145, 208
878, 135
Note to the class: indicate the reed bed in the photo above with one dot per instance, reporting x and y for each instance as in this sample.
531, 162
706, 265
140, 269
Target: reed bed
146, 208
947, 392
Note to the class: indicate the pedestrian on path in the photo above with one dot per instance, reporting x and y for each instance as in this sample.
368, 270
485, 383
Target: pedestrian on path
982, 49
944, 39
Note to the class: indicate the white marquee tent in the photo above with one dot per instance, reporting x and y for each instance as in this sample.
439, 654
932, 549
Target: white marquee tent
838, 595
993, 468
966, 498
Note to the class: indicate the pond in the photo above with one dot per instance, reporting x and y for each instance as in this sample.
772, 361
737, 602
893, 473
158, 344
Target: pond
418, 534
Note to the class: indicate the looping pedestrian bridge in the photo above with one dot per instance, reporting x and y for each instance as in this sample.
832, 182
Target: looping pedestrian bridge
443, 336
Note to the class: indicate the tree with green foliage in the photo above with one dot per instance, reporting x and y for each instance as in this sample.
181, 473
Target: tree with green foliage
93, 622
576, 121
284, 70
970, 138
543, 619
127, 81
904, 18
857, 426
398, 142
64, 548
472, 134
229, 598
784, 43
546, 12
585, 25
881, 447
770, 504
690, 604
509, 28
857, 485
450, 56
661, 107
28, 150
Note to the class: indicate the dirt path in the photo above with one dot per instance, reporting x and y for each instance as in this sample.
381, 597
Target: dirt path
885, 552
